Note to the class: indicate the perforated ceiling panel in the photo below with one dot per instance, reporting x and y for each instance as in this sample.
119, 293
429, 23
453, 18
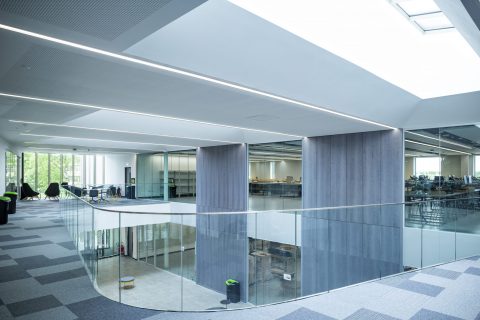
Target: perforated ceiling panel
105, 19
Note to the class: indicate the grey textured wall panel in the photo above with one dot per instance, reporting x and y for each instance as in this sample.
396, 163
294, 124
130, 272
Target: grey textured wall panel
222, 243
346, 246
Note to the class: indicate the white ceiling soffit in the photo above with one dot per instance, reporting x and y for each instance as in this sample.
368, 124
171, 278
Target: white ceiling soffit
53, 71
455, 110
464, 21
240, 47
375, 36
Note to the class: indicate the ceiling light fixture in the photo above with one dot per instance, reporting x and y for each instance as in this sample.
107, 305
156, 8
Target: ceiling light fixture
78, 151
441, 140
185, 73
147, 143
112, 130
434, 146
89, 106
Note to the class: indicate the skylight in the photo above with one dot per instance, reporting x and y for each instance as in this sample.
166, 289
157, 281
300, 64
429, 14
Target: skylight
374, 35
425, 14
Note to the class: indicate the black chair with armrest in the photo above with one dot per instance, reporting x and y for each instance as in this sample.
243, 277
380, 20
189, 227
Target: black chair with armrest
53, 191
28, 193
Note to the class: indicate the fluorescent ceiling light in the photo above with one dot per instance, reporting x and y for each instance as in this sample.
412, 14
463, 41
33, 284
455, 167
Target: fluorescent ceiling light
185, 73
119, 131
375, 36
93, 139
441, 140
434, 146
89, 106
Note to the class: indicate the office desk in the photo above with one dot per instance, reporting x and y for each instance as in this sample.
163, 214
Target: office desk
276, 189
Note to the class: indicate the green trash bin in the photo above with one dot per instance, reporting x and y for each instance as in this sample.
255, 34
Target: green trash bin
233, 290
4, 204
13, 204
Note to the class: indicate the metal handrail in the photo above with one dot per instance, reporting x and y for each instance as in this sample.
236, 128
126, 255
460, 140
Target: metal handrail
271, 211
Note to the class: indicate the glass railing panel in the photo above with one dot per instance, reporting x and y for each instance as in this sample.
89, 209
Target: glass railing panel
150, 255
467, 225
438, 234
107, 247
272, 260
181, 262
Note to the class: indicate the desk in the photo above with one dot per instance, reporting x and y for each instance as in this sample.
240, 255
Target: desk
276, 189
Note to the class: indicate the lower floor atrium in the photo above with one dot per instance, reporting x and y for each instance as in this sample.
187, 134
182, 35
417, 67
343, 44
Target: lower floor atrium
42, 277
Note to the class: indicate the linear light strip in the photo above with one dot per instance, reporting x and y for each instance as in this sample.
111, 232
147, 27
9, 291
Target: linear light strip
148, 143
185, 73
79, 151
89, 106
441, 140
112, 130
434, 146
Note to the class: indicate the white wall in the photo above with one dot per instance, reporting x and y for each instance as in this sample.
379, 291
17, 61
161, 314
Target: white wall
115, 167
283, 169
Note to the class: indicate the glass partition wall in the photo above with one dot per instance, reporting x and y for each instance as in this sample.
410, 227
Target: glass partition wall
440, 164
275, 176
180, 178
275, 183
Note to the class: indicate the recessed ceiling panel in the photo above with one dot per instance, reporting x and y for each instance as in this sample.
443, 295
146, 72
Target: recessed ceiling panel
105, 19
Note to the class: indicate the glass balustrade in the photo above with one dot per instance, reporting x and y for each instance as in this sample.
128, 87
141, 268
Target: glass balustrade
215, 261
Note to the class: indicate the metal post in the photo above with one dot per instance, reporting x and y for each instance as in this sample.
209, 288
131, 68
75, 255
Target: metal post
166, 189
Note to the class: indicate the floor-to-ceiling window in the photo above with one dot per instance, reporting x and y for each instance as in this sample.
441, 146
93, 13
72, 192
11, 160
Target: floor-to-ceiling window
41, 169
427, 166
30, 169
11, 173
67, 168
78, 177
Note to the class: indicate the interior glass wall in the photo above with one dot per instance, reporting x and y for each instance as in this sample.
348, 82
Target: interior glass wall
440, 165
275, 182
181, 183
477, 167
275, 176
150, 175
11, 171
182, 176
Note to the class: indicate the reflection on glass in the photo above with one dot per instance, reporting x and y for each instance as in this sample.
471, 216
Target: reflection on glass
275, 176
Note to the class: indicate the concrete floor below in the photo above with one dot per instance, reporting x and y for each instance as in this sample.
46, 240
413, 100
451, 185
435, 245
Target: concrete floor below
156, 288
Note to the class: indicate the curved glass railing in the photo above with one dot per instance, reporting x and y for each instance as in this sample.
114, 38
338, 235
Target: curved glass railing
182, 261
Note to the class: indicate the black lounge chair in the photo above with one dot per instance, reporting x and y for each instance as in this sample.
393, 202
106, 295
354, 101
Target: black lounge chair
53, 191
28, 193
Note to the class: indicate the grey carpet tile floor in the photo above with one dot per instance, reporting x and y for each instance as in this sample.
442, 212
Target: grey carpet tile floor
42, 277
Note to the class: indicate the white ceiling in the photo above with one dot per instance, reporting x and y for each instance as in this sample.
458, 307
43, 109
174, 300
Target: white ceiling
377, 37
103, 103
